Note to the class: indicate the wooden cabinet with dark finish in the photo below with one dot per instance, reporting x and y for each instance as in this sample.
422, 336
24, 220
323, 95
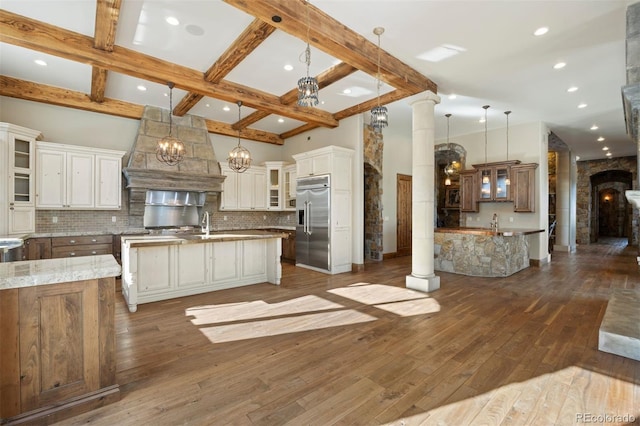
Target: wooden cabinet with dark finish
37, 248
468, 191
59, 348
289, 247
524, 187
493, 181
90, 245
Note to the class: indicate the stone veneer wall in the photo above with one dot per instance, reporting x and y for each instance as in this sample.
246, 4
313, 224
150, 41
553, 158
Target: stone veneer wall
586, 169
445, 153
373, 220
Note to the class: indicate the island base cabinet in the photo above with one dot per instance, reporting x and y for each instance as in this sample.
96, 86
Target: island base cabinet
59, 358
155, 273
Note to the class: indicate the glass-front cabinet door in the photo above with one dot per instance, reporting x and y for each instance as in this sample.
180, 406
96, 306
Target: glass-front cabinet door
502, 189
486, 184
21, 155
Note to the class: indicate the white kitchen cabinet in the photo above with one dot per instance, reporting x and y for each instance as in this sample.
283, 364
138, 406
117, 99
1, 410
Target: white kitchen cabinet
313, 163
154, 270
75, 177
17, 189
244, 191
290, 176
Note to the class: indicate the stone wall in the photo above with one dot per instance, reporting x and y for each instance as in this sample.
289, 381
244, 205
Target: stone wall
373, 220
584, 197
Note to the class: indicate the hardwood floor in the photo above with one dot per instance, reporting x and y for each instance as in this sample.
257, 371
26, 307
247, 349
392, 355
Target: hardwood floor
360, 349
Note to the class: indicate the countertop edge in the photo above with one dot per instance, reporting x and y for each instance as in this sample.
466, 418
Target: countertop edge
507, 232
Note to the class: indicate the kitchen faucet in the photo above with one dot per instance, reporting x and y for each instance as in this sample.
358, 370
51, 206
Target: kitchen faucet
494, 222
205, 223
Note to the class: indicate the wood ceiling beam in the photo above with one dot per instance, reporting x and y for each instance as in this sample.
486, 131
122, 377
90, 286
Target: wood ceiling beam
389, 97
107, 14
335, 39
21, 89
251, 37
326, 78
32, 34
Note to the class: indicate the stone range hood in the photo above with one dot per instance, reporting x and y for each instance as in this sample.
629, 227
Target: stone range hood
199, 170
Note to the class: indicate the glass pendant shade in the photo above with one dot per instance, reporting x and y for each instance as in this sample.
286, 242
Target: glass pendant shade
379, 117
170, 150
239, 159
307, 91
447, 181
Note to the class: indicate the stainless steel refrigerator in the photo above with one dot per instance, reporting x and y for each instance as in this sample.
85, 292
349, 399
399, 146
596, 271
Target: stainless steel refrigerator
313, 209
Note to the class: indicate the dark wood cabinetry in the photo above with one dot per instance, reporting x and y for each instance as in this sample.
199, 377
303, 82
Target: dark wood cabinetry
505, 181
58, 357
36, 249
59, 247
289, 247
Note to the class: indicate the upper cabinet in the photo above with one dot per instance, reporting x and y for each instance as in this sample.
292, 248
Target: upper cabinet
499, 182
244, 191
17, 207
75, 177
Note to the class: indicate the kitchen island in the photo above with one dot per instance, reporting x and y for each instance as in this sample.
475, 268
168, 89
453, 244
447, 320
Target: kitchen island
160, 267
482, 252
57, 331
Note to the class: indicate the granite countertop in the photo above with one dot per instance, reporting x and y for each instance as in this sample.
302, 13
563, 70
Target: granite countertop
504, 232
54, 271
147, 240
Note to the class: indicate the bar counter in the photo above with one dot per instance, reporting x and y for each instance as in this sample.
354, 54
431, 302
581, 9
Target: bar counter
482, 252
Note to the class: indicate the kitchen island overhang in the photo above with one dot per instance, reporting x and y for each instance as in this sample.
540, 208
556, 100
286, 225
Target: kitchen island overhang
482, 252
161, 267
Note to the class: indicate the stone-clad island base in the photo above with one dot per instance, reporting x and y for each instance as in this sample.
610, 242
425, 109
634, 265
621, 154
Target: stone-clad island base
481, 252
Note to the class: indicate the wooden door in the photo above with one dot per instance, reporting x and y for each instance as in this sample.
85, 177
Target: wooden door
403, 213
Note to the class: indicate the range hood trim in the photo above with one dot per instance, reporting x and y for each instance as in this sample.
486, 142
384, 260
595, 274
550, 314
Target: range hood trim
172, 181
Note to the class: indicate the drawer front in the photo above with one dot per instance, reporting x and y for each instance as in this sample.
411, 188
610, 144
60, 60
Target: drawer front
83, 250
86, 239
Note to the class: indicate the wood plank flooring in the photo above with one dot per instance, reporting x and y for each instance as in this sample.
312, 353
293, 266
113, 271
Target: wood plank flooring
361, 349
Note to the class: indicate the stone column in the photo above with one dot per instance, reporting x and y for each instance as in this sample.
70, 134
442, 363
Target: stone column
422, 277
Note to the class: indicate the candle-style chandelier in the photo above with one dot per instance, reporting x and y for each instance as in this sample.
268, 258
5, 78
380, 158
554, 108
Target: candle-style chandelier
239, 157
170, 150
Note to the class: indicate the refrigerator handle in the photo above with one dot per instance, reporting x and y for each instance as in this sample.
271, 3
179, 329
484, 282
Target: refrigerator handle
304, 220
309, 218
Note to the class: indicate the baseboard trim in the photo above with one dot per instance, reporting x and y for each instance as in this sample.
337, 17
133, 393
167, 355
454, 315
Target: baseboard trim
391, 255
357, 267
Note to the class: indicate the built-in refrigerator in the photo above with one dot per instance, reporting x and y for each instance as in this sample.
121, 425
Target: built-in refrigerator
313, 210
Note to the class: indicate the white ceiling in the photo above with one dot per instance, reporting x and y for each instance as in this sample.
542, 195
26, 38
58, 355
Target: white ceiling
503, 65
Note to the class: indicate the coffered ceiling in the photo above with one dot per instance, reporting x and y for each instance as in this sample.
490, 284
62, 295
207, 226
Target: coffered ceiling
218, 52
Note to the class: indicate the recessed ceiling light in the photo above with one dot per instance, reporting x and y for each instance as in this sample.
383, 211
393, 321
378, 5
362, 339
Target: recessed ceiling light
40, 62
346, 91
281, 120
605, 148
559, 65
481, 120
166, 95
594, 127
207, 105
600, 139
172, 20
583, 105
452, 96
225, 108
142, 88
541, 31
608, 154
321, 102
572, 89
288, 67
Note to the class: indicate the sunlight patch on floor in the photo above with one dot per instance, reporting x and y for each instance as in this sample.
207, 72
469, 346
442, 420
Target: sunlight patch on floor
557, 398
274, 327
212, 314
397, 300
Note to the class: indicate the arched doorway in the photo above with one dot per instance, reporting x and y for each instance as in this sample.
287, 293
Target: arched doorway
610, 211
452, 157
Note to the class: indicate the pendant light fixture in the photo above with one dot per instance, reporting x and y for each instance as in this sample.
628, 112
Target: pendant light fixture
239, 158
507, 181
170, 150
379, 114
485, 178
448, 169
307, 86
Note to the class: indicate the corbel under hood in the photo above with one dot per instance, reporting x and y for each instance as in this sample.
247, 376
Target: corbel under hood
199, 170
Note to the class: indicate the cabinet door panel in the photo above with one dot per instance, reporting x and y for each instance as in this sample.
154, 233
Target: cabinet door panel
80, 180
260, 190
192, 259
108, 182
60, 356
254, 256
154, 269
22, 220
51, 188
225, 264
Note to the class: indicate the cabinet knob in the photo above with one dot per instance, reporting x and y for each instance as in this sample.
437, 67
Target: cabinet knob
94, 252
72, 254
72, 241
93, 240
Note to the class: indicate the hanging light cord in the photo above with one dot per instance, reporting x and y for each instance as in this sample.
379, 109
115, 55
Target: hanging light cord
170, 84
379, 84
239, 118
307, 51
507, 114
486, 107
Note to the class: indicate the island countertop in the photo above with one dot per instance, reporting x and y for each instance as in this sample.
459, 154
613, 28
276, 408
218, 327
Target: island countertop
504, 232
30, 273
147, 240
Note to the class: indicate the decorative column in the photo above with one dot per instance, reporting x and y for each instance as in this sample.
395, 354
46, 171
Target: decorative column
422, 277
